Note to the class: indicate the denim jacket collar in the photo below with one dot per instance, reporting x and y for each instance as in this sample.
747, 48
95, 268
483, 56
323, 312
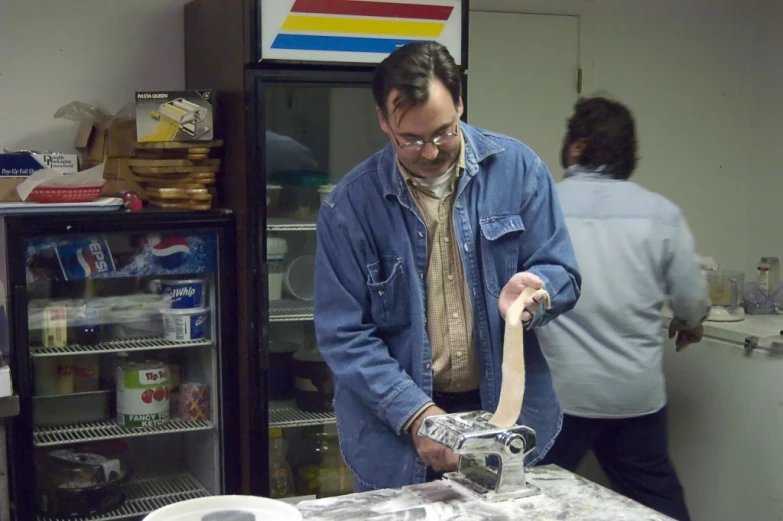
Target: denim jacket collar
477, 148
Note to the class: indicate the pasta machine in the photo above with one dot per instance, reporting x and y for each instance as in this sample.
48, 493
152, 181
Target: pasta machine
491, 460
188, 115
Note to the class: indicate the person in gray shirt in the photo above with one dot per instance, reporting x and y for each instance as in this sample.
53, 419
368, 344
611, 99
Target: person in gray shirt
635, 252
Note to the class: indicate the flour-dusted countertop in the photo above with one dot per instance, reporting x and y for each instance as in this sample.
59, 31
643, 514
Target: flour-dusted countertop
564, 496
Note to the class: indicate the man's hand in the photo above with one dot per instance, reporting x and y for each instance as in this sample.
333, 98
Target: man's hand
515, 286
685, 336
435, 455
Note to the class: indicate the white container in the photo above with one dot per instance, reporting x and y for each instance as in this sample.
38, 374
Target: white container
259, 508
325, 190
185, 324
768, 277
300, 277
276, 248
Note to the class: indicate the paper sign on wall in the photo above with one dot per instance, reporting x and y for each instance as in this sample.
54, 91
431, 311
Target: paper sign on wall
356, 31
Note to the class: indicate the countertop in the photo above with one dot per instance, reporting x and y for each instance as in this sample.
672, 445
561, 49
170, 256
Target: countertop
761, 326
564, 496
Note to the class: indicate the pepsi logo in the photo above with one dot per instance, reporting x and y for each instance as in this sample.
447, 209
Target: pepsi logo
170, 252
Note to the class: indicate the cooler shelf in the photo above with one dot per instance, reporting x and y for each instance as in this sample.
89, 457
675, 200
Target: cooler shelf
116, 346
278, 224
290, 311
287, 417
108, 430
145, 494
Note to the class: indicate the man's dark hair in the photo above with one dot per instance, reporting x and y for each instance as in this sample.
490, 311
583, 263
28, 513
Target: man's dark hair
610, 135
409, 70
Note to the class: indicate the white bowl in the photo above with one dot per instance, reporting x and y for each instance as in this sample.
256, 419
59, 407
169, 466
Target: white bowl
264, 509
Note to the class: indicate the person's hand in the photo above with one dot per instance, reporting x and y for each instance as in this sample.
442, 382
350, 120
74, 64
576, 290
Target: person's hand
435, 455
685, 336
515, 286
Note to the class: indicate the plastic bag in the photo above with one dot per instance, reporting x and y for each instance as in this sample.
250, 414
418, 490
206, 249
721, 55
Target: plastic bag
79, 111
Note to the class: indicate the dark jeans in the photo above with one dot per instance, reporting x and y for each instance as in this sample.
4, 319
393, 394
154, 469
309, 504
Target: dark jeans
453, 403
633, 453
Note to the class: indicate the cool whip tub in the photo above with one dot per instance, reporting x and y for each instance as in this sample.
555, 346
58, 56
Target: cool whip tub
185, 324
184, 294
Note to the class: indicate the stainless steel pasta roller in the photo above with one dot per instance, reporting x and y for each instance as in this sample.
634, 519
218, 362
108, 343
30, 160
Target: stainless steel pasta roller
491, 459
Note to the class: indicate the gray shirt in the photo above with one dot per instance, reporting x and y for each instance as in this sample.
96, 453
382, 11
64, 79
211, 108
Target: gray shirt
635, 252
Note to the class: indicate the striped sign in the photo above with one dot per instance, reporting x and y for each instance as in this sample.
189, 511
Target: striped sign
356, 30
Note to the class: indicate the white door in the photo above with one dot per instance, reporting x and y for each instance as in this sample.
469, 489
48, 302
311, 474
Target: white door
522, 78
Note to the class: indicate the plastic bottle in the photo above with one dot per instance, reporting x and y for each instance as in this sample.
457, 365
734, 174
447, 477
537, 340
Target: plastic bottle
281, 477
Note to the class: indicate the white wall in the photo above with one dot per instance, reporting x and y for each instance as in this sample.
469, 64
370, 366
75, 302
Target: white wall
53, 52
687, 71
766, 193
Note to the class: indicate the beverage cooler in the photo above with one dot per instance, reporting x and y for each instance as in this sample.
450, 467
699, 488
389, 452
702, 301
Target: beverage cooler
295, 89
123, 349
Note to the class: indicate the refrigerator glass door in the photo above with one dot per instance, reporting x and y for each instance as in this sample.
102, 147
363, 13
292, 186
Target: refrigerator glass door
124, 368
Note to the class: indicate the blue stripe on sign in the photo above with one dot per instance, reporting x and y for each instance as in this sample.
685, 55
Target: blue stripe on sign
307, 42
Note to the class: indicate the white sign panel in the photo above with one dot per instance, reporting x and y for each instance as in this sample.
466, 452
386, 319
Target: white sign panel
356, 31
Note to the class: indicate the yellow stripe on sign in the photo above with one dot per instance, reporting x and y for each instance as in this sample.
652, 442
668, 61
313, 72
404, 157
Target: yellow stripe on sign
325, 24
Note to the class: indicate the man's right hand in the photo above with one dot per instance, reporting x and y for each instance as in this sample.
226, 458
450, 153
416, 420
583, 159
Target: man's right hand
435, 455
685, 336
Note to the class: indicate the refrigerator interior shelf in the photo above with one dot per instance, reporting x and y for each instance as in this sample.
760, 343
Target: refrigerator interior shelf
145, 494
279, 224
116, 346
108, 430
290, 311
287, 417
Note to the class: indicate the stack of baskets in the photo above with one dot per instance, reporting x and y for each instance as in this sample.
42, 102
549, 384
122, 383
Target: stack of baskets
177, 175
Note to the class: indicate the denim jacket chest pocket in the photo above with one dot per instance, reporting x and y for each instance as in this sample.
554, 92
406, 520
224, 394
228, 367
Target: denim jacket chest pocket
389, 293
501, 237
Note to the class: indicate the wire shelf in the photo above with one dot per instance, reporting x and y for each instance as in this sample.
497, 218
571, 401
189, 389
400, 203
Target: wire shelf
109, 430
278, 224
116, 346
287, 417
145, 494
290, 311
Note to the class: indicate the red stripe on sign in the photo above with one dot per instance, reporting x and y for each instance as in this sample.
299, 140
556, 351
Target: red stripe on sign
380, 9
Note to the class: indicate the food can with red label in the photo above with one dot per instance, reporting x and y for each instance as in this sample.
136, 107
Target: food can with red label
143, 394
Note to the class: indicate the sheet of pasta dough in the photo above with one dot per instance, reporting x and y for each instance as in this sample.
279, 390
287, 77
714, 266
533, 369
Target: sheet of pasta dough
512, 389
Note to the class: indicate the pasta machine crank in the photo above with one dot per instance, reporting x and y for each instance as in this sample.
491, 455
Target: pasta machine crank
491, 459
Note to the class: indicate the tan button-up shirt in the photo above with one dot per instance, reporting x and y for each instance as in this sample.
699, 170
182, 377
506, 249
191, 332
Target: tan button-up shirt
449, 315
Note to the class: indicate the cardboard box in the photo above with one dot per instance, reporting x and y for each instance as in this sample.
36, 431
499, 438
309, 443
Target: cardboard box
119, 177
15, 167
174, 116
97, 144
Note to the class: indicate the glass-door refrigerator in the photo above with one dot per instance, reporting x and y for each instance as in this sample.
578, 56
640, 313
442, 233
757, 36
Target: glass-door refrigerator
293, 83
311, 128
123, 349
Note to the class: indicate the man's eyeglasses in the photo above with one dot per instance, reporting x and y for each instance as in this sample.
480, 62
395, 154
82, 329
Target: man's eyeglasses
416, 146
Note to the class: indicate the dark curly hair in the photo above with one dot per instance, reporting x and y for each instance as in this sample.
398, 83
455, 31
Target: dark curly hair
609, 132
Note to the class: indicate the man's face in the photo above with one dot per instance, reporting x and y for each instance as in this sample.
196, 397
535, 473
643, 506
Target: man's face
436, 119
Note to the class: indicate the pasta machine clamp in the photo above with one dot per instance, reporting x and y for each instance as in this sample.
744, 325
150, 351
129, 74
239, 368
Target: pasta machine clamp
491, 459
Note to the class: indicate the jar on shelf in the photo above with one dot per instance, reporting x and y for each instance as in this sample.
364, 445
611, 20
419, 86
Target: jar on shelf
326, 474
281, 477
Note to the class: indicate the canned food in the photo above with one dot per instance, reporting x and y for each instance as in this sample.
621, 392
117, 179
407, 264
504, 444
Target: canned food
185, 324
142, 394
184, 294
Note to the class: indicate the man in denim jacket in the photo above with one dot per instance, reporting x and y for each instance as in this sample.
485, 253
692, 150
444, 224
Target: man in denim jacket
421, 250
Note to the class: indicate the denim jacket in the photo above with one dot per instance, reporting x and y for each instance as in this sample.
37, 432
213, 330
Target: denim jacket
370, 310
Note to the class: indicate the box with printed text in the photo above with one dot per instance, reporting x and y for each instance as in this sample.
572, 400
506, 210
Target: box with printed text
174, 116
15, 167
